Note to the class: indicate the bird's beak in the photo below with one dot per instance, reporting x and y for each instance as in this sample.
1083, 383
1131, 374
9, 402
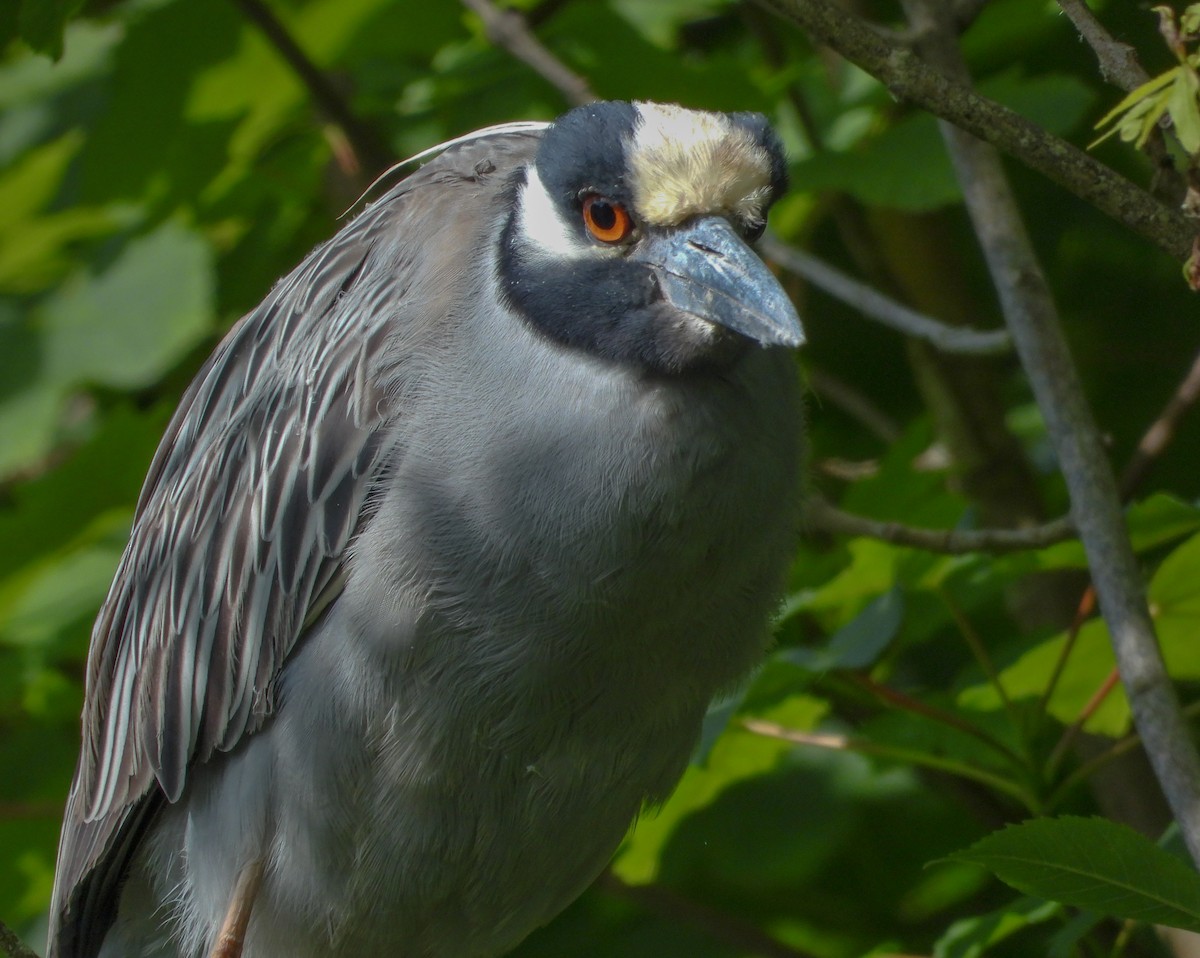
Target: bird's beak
707, 270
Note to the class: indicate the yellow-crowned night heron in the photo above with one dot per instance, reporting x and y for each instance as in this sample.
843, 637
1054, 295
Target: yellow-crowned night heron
443, 556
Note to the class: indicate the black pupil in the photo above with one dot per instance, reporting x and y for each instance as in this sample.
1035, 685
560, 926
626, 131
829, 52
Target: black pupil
603, 215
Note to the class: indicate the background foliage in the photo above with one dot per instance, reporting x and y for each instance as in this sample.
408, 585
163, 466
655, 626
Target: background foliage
161, 164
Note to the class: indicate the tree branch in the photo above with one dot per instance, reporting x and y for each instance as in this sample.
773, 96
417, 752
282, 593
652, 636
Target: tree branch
909, 78
908, 756
1118, 61
15, 810
509, 31
854, 404
874, 305
372, 153
1119, 66
12, 945
1158, 436
1095, 506
820, 514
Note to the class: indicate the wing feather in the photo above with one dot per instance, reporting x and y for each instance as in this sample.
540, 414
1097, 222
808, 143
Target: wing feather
258, 487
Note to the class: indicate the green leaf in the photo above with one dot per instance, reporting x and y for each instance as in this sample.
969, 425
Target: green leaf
1189, 20
36, 607
883, 170
1185, 112
1159, 519
1176, 585
30, 184
735, 757
41, 23
33, 244
859, 643
1135, 97
1090, 663
1153, 522
44, 517
1092, 863
972, 937
126, 327
1174, 596
10, 24
1065, 942
31, 80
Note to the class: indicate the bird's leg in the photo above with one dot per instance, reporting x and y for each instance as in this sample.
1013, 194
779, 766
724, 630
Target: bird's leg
233, 929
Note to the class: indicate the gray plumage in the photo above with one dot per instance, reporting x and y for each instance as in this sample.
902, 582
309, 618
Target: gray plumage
423, 600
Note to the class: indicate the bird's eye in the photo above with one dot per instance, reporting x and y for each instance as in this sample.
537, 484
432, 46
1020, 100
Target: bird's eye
607, 221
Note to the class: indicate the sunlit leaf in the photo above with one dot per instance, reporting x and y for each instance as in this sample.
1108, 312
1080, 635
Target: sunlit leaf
1184, 110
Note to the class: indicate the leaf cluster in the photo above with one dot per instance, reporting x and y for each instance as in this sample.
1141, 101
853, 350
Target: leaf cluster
1173, 92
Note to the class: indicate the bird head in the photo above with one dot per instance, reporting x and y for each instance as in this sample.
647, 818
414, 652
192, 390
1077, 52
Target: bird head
631, 236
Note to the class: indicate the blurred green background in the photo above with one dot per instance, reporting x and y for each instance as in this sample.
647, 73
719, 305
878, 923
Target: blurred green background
165, 165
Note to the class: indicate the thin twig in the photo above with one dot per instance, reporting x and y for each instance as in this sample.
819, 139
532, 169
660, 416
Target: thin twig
899, 700
1118, 61
909, 78
1119, 66
1158, 436
15, 810
1114, 751
12, 945
1150, 448
1071, 732
742, 936
372, 153
820, 514
874, 305
509, 31
979, 650
1083, 612
907, 756
852, 402
1095, 505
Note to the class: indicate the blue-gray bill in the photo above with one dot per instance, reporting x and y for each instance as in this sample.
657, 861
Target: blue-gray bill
707, 270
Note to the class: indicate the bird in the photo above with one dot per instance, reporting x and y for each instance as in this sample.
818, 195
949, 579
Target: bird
444, 555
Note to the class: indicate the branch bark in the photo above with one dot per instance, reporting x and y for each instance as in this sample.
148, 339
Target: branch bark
822, 515
12, 945
888, 312
372, 153
509, 31
1161, 432
1119, 65
1118, 61
910, 78
1095, 506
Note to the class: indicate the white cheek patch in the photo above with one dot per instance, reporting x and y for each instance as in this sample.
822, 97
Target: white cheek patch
542, 226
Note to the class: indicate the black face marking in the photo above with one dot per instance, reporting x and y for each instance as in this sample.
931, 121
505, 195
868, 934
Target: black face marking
600, 298
584, 152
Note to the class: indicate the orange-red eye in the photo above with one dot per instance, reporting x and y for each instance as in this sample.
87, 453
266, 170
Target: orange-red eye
607, 221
